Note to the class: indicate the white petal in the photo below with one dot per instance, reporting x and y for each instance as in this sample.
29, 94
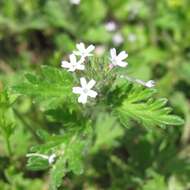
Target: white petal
65, 64
77, 90
122, 55
92, 93
113, 53
81, 60
51, 158
80, 67
150, 84
73, 58
81, 46
90, 48
122, 64
72, 69
83, 82
82, 98
91, 83
77, 53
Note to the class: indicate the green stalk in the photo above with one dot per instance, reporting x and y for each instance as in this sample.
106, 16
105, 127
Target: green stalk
9, 150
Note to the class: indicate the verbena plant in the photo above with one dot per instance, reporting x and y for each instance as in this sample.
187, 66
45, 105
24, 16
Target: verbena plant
93, 100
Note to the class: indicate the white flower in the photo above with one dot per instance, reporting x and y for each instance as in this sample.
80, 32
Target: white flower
150, 84
73, 64
118, 39
118, 60
111, 26
51, 158
75, 2
84, 52
85, 90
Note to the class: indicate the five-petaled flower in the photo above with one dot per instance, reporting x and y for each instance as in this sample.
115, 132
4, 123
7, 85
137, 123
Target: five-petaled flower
85, 90
73, 64
118, 60
84, 52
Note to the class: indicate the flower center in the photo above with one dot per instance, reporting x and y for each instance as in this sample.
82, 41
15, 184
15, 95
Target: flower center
114, 61
85, 90
84, 53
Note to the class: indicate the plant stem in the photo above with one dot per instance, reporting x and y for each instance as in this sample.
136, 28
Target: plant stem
26, 125
9, 150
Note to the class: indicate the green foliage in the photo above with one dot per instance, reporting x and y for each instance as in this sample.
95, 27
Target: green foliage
17, 181
157, 181
51, 89
140, 106
107, 131
128, 137
6, 119
57, 173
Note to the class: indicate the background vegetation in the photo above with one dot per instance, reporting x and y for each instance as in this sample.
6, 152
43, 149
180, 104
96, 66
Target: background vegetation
41, 32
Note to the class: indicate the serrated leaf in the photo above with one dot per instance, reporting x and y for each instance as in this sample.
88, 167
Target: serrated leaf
51, 89
137, 106
57, 173
36, 164
74, 154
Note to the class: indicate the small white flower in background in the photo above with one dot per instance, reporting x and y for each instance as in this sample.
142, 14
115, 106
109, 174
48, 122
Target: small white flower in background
85, 90
118, 60
84, 52
73, 64
150, 84
117, 39
51, 158
75, 2
132, 38
100, 50
111, 26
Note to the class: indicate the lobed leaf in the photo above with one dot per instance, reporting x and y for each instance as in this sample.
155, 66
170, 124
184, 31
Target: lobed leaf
139, 106
51, 89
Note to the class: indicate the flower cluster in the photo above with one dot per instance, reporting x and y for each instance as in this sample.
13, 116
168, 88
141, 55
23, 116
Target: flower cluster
77, 62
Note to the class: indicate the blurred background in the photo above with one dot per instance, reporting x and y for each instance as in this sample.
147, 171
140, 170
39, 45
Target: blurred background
156, 35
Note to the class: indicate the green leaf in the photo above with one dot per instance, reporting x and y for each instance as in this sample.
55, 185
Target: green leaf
155, 182
97, 35
51, 89
107, 131
86, 8
74, 154
57, 173
6, 115
139, 106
